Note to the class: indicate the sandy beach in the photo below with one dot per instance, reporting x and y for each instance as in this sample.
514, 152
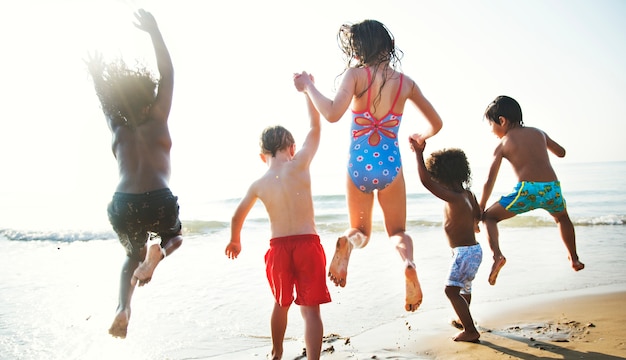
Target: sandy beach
579, 324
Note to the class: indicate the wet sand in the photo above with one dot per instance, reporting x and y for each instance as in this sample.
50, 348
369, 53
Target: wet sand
579, 324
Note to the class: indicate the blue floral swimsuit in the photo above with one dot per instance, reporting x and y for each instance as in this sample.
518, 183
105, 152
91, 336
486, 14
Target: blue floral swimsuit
374, 153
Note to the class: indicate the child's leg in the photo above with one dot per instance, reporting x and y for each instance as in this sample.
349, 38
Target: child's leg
566, 228
457, 323
360, 207
313, 331
172, 244
119, 327
492, 216
143, 274
393, 204
279, 326
461, 307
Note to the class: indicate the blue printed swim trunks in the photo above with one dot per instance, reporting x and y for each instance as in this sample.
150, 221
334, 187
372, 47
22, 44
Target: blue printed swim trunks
464, 266
530, 195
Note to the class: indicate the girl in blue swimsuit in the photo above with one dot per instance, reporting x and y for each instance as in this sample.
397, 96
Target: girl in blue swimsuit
376, 91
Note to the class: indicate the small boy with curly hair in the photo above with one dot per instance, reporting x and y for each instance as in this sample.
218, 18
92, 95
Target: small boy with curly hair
446, 174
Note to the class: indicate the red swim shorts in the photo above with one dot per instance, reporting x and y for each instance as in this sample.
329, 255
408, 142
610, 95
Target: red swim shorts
297, 262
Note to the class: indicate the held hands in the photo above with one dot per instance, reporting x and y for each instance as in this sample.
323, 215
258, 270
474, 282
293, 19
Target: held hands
146, 22
302, 80
419, 138
417, 145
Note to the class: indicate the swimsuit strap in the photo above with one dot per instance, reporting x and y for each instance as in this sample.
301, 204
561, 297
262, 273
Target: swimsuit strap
369, 87
398, 94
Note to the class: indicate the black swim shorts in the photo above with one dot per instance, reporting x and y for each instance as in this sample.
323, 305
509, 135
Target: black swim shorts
137, 217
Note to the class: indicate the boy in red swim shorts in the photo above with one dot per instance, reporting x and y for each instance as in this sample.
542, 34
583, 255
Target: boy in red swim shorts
295, 260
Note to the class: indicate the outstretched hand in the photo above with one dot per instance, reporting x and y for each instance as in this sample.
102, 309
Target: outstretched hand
95, 64
145, 21
301, 80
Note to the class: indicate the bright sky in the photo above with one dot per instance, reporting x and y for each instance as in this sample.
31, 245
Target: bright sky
563, 60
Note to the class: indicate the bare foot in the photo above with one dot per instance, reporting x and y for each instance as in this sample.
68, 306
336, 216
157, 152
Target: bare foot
467, 337
338, 270
495, 269
143, 273
413, 289
120, 324
577, 265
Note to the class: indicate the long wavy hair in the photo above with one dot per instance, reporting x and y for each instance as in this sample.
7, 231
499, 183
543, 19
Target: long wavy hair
369, 43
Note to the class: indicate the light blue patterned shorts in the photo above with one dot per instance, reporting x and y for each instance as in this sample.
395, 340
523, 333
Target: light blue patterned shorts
463, 267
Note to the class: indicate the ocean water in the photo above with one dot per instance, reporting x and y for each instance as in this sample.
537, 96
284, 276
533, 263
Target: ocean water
58, 289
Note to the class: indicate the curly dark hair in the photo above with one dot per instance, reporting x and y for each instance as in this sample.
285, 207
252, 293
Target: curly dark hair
449, 167
123, 92
274, 139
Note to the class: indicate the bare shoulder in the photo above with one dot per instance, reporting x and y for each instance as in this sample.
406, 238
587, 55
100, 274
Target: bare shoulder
524, 133
354, 72
406, 79
534, 130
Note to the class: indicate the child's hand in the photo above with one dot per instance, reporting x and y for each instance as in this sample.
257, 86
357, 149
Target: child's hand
417, 146
418, 138
95, 64
145, 21
233, 249
300, 81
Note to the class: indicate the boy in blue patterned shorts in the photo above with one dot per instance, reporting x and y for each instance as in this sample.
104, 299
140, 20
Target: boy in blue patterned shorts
446, 174
526, 149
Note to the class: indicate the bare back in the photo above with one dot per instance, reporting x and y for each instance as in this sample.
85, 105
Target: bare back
526, 148
383, 99
461, 216
143, 155
285, 190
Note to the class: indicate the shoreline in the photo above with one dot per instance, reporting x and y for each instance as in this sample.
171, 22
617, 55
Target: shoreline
574, 324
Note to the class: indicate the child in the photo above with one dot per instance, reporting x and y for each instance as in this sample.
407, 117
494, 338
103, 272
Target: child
526, 149
378, 93
296, 257
447, 174
142, 204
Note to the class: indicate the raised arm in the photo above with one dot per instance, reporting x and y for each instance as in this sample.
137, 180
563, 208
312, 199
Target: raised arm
95, 66
432, 117
332, 110
312, 140
161, 107
435, 188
